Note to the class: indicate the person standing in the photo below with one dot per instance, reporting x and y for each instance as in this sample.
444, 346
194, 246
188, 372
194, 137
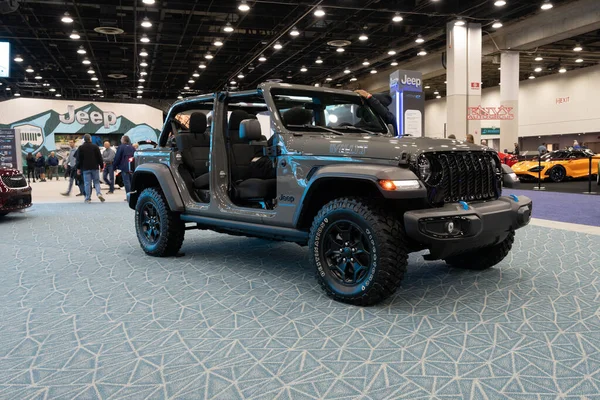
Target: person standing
470, 138
516, 152
71, 166
124, 153
89, 163
542, 149
108, 174
30, 160
40, 166
576, 145
52, 162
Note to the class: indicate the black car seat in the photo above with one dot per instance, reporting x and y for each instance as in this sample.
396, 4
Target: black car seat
297, 116
241, 150
195, 150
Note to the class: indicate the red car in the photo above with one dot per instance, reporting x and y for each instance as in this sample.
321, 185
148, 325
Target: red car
508, 159
15, 193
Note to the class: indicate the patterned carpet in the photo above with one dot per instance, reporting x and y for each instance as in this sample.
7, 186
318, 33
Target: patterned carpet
84, 314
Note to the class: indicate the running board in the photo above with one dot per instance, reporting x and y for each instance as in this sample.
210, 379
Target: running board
248, 229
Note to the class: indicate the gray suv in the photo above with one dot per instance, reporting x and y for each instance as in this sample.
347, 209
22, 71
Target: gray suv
320, 168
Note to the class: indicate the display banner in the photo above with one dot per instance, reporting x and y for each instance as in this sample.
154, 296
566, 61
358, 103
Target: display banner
406, 89
8, 149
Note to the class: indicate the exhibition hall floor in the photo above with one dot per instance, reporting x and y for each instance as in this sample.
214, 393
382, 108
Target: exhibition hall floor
85, 314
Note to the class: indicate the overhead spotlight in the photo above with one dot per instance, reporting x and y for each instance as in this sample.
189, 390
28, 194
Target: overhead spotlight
579, 60
392, 52
497, 25
58, 95
419, 39
353, 79
547, 5
180, 97
196, 74
317, 84
241, 76
52, 90
499, 68
209, 56
303, 69
277, 46
218, 43
422, 53
143, 53
91, 71
294, 32
366, 62
202, 66
244, 7
500, 3
143, 73
138, 97
191, 81
347, 71
436, 92
38, 77
148, 1
319, 60
459, 22
86, 61
29, 69
394, 63
94, 78
577, 48
18, 58
99, 90
17, 94
74, 35
186, 87
45, 84
319, 12
373, 71
141, 80
363, 37
427, 87
539, 58
438, 97
144, 39
140, 87
97, 85
228, 28
328, 79
8, 88
146, 23
340, 50
66, 18
397, 17
233, 83
538, 69
532, 76
562, 70
143, 64
81, 50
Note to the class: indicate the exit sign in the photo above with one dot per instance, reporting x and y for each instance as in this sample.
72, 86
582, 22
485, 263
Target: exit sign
490, 131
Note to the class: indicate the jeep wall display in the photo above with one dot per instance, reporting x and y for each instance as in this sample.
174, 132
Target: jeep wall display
359, 198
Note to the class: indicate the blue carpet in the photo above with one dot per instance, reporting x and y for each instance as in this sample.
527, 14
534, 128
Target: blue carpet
564, 207
84, 314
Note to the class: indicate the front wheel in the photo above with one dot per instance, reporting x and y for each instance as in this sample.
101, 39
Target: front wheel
484, 258
558, 174
358, 251
159, 230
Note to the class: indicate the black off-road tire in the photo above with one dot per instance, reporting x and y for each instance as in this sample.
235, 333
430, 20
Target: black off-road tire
555, 175
388, 259
171, 227
483, 258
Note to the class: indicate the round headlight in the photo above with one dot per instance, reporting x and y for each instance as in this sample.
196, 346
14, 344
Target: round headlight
424, 169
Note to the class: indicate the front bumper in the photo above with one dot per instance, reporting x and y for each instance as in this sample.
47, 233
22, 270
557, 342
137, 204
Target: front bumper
15, 200
457, 228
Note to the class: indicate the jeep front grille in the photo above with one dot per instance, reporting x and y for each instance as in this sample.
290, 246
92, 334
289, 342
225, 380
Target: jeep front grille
14, 182
463, 176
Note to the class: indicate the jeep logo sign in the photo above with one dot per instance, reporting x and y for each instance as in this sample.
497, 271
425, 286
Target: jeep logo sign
97, 118
406, 81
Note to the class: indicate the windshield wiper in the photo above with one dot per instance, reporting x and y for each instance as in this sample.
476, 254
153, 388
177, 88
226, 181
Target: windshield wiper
359, 129
316, 127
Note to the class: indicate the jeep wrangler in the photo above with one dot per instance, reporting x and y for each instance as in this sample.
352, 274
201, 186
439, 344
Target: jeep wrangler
320, 168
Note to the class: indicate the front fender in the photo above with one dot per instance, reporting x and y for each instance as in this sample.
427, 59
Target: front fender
150, 174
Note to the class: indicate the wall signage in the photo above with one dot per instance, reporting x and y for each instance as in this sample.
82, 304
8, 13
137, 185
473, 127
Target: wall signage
403, 81
563, 100
106, 118
8, 148
490, 131
502, 113
406, 89
475, 85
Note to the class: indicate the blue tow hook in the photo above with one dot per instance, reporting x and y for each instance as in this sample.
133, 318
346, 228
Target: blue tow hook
464, 205
514, 197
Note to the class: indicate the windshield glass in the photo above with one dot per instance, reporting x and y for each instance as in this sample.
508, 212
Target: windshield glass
314, 111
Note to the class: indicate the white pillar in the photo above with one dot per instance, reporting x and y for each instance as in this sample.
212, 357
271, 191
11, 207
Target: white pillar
509, 95
464, 78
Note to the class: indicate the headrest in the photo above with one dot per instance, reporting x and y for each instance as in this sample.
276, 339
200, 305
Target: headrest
383, 98
297, 116
198, 122
250, 130
236, 118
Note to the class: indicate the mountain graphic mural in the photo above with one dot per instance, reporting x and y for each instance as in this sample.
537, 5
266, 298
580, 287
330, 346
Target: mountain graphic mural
38, 131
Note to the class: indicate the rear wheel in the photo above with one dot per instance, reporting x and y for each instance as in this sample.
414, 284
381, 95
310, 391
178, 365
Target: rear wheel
558, 173
484, 258
159, 230
358, 251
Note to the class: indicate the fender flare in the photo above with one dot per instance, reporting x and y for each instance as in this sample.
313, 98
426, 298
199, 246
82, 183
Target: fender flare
165, 179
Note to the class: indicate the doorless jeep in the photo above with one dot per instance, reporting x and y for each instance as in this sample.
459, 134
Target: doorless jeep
318, 167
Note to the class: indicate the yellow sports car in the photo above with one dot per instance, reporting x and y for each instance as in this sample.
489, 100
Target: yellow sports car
558, 165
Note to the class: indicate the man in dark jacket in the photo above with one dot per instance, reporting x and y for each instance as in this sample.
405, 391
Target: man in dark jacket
40, 167
52, 162
89, 163
30, 160
124, 153
380, 103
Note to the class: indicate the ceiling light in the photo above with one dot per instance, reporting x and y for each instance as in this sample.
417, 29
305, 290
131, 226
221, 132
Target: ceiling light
562, 70
29, 69
500, 3
459, 22
66, 18
577, 48
38, 77
499, 68
143, 64
142, 80
427, 87
579, 60
180, 97
319, 60
373, 71
294, 32
422, 53
328, 79
58, 95
244, 7
233, 83
148, 1
94, 78
532, 76
262, 58
99, 90
218, 43
144, 39
17, 94
420, 40
445, 82
347, 71
497, 25
277, 46
547, 5
340, 50
196, 74
81, 50
91, 71
143, 53
146, 23
143, 73
140, 91
74, 35
209, 56
317, 84
363, 37
45, 84
397, 18
228, 28
392, 52
353, 79
303, 69
186, 88
438, 97
97, 85
52, 90
319, 12
86, 61
139, 97
241, 76
18, 58
538, 69
394, 63
140, 87
436, 92
366, 62
8, 88
191, 81
539, 58
202, 66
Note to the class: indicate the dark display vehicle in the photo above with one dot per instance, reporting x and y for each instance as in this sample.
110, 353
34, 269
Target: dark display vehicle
15, 193
330, 176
